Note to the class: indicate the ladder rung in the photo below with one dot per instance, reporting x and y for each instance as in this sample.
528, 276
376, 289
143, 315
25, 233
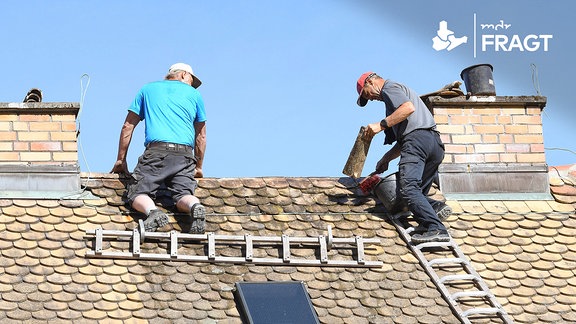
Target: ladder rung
458, 277
461, 294
446, 261
476, 311
433, 244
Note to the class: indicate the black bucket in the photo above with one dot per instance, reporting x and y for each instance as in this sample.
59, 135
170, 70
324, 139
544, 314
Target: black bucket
478, 80
387, 191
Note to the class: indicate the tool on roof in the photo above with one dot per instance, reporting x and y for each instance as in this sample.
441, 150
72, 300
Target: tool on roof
357, 157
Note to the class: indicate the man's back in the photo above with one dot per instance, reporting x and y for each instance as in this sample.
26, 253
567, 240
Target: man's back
170, 108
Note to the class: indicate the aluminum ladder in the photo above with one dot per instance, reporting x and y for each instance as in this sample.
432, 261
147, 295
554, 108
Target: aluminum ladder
460, 272
249, 243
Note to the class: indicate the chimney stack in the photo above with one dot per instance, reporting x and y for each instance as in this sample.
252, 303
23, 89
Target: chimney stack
494, 147
38, 149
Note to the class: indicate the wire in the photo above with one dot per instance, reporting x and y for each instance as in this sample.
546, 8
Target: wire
535, 80
83, 91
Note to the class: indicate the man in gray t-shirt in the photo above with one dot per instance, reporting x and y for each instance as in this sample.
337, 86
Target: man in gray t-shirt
410, 124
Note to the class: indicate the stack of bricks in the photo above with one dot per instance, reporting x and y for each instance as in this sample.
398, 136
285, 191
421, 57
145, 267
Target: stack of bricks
507, 130
38, 133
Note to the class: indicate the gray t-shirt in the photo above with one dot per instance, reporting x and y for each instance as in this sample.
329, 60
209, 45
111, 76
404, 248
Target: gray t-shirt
395, 94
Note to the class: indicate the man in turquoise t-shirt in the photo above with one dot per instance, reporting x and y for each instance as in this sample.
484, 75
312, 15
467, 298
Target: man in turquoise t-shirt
175, 130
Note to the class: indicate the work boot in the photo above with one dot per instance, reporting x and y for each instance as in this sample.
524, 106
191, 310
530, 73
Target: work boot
431, 236
198, 216
155, 220
443, 211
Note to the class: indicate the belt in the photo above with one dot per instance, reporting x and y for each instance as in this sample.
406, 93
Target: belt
170, 147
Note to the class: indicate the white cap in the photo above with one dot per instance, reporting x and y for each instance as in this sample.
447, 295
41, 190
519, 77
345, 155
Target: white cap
187, 68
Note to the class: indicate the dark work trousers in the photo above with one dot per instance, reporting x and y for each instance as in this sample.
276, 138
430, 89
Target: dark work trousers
422, 152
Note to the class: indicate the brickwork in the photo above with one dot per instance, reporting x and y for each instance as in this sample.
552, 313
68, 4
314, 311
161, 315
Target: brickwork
495, 132
38, 133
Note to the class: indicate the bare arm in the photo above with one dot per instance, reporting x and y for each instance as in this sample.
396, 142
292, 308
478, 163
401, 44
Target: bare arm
406, 109
130, 123
393, 153
199, 147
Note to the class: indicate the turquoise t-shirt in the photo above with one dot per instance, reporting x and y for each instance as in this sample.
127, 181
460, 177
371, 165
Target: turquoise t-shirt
169, 108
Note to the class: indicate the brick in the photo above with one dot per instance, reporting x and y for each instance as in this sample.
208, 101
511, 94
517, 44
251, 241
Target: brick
452, 148
9, 156
8, 136
451, 129
45, 146
504, 120
69, 146
448, 158
464, 120
33, 136
489, 129
6, 146
469, 158
10, 117
5, 126
64, 118
449, 111
34, 118
537, 148
63, 136
486, 111
20, 126
45, 126
445, 138
508, 158
535, 129
21, 146
491, 158
518, 148
516, 129
490, 139
65, 156
522, 119
505, 138
533, 111
489, 120
466, 139
69, 126
441, 119
35, 156
513, 111
530, 139
531, 158
489, 148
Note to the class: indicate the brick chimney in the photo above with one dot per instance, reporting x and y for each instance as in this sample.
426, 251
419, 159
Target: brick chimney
494, 147
38, 149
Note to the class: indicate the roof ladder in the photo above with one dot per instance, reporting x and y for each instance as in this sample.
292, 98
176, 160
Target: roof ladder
249, 243
461, 286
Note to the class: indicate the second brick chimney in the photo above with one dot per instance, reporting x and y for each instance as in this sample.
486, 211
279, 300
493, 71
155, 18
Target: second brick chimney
494, 147
38, 149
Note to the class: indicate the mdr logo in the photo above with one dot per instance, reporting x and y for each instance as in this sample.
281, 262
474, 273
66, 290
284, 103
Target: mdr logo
496, 36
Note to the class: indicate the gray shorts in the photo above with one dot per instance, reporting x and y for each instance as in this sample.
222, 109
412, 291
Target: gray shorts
157, 167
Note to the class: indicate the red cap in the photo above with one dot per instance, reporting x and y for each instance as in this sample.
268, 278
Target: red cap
359, 86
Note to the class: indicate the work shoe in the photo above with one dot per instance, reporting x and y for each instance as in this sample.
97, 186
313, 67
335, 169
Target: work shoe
155, 220
198, 215
443, 211
431, 236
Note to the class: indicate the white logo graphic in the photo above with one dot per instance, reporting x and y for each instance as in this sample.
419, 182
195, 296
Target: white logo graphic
446, 39
492, 37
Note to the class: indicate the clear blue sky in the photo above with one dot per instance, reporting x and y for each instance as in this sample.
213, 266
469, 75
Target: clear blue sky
278, 76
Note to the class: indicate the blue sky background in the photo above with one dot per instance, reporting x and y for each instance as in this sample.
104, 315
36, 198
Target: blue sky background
278, 76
